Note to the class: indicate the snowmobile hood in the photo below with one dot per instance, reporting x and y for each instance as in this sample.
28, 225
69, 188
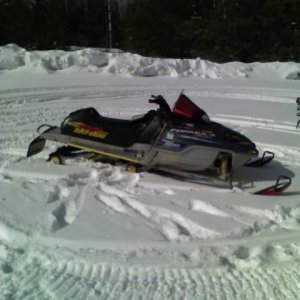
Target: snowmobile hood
211, 135
192, 125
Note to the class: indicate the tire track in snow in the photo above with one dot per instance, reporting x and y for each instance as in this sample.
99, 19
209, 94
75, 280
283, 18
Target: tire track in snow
65, 202
232, 286
286, 154
265, 95
48, 94
48, 274
172, 225
265, 124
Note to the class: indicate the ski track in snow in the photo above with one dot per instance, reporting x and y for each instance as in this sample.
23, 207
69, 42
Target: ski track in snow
189, 251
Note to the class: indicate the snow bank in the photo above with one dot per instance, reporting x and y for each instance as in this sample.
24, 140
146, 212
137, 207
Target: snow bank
13, 57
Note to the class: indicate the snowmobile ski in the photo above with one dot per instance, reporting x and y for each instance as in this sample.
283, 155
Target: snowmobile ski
267, 157
282, 183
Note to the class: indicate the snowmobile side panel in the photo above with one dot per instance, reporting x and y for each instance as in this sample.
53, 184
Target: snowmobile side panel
137, 153
88, 124
106, 153
187, 159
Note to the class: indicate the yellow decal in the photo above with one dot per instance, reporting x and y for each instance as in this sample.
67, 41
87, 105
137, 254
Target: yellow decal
81, 128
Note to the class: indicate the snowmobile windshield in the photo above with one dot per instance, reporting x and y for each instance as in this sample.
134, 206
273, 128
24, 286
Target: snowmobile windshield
187, 108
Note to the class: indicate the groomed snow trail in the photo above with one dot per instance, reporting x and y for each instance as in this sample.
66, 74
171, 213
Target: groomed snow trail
52, 274
92, 231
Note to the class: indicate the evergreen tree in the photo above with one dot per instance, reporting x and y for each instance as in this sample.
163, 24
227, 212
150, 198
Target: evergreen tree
218, 30
15, 23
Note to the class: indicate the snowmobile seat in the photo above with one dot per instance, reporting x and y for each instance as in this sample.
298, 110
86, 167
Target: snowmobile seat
106, 121
115, 131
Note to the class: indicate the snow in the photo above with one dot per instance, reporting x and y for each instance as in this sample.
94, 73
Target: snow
102, 61
92, 231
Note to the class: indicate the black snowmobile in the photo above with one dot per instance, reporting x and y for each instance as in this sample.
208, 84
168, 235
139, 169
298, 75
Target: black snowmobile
182, 141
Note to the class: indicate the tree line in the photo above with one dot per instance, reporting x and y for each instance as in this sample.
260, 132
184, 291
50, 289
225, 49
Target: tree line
218, 30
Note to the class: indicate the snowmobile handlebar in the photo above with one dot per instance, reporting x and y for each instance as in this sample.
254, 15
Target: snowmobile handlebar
164, 107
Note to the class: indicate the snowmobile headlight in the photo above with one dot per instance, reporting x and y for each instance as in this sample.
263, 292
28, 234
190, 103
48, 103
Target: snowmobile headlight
253, 152
206, 118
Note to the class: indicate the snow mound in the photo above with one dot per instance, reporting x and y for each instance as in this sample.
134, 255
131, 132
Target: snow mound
11, 57
95, 60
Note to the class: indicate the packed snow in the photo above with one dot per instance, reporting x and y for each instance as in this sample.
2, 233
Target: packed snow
90, 230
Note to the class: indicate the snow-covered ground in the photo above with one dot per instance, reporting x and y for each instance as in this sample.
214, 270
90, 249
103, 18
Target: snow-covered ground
92, 231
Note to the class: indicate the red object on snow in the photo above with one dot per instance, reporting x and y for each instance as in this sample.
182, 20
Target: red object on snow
282, 183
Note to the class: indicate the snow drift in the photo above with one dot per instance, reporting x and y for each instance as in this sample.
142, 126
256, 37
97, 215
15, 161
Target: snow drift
13, 57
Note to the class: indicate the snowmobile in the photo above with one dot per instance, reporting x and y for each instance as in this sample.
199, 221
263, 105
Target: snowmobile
183, 142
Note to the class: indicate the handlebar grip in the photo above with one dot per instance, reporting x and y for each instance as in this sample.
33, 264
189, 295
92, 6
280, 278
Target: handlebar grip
153, 99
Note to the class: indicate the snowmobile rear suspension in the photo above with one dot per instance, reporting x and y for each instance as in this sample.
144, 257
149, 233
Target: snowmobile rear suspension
224, 166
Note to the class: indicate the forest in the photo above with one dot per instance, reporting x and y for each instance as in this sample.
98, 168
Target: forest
217, 30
